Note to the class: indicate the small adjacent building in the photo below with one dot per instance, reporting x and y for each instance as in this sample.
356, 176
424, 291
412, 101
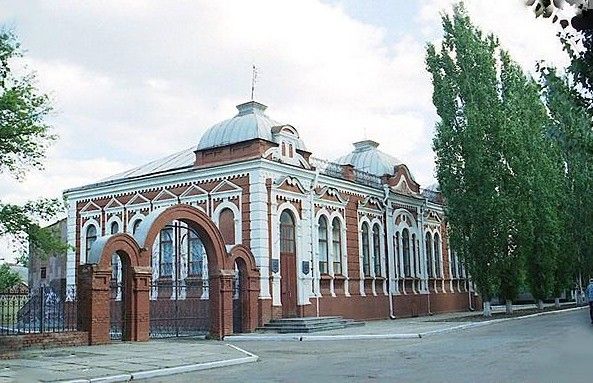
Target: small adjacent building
49, 270
356, 236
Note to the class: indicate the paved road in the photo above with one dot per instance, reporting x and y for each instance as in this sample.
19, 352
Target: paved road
552, 348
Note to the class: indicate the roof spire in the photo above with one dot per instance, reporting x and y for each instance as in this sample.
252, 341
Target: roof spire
253, 80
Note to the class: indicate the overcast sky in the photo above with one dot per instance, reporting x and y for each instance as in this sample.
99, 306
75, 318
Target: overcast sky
137, 80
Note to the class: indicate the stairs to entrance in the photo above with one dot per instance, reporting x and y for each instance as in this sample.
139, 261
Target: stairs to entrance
308, 324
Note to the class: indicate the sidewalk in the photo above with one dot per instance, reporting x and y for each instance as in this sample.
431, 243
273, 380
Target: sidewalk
396, 329
121, 361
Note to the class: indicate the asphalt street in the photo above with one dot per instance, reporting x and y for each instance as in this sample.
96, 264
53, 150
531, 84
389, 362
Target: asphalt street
551, 348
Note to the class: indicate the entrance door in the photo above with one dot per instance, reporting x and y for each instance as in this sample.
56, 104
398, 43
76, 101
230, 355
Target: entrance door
237, 301
288, 285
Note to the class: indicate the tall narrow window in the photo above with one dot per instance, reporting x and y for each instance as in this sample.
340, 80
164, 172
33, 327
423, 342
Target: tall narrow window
290, 150
226, 223
195, 249
397, 252
287, 235
437, 255
136, 226
415, 256
366, 264
453, 265
166, 252
377, 250
283, 149
406, 252
114, 228
337, 246
91, 237
323, 245
428, 241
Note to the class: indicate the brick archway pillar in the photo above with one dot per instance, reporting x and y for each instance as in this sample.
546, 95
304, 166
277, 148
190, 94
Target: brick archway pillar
93, 303
94, 290
139, 312
248, 270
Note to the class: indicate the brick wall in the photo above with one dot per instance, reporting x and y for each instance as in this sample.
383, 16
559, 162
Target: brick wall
10, 345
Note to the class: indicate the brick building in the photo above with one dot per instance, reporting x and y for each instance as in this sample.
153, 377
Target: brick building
355, 237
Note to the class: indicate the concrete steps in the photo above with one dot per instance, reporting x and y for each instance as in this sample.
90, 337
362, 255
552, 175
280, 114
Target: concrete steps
307, 324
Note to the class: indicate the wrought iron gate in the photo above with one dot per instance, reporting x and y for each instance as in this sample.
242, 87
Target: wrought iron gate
179, 294
237, 303
116, 307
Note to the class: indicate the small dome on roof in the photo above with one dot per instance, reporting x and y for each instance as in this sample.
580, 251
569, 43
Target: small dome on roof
367, 158
250, 123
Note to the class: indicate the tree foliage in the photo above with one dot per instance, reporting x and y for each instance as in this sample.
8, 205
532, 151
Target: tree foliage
499, 171
8, 278
24, 138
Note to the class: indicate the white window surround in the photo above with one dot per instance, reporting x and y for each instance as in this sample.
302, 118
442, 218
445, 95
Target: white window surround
237, 218
83, 231
132, 221
114, 218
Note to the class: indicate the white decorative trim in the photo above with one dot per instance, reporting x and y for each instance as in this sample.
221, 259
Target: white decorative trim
237, 218
83, 232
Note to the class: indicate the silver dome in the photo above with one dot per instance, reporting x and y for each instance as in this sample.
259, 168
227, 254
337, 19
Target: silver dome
248, 124
367, 158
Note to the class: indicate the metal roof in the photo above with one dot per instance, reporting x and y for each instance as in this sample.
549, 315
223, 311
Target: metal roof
368, 158
182, 159
251, 122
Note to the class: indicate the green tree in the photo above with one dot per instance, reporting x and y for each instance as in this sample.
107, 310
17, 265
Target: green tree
570, 130
467, 146
499, 172
8, 278
24, 138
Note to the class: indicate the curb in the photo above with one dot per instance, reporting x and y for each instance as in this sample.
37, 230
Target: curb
495, 321
305, 338
250, 358
308, 338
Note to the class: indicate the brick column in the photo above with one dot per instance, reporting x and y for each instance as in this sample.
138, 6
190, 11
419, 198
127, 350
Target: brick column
93, 303
221, 304
250, 321
138, 309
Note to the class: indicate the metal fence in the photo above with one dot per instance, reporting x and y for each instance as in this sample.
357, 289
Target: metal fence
43, 310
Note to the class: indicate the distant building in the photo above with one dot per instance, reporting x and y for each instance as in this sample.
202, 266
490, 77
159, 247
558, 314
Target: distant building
49, 270
22, 286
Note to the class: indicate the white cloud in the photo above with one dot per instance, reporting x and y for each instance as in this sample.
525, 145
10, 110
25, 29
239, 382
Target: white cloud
133, 81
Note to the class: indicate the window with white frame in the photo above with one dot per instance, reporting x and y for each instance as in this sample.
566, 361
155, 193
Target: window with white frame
90, 238
323, 245
166, 252
429, 258
406, 252
337, 246
377, 249
366, 267
437, 255
136, 225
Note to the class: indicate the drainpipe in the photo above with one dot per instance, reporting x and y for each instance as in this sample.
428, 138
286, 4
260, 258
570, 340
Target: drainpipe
312, 215
389, 291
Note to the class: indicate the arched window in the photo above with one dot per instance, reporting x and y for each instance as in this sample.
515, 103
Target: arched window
414, 255
377, 249
166, 252
91, 237
136, 225
283, 149
337, 245
195, 249
406, 252
437, 255
114, 227
287, 235
323, 245
290, 150
397, 252
366, 264
429, 258
226, 223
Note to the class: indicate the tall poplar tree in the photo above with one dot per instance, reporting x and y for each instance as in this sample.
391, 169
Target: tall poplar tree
467, 146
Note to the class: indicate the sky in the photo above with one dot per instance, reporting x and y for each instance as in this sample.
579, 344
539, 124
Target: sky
132, 81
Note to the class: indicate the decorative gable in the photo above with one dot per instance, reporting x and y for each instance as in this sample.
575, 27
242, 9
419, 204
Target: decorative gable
193, 191
226, 186
291, 184
113, 204
164, 195
331, 195
138, 202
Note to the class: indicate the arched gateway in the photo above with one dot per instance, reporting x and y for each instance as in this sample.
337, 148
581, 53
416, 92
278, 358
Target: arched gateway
135, 253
